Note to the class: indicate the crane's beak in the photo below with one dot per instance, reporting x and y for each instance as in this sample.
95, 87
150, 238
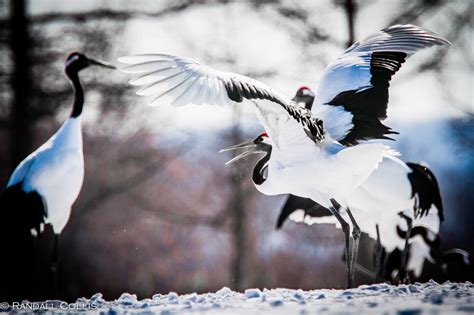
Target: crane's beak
245, 145
101, 63
250, 145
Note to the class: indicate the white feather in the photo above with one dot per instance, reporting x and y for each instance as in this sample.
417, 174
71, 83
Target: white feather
401, 38
56, 172
337, 121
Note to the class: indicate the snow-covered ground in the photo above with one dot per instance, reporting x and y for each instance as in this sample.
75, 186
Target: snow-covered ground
419, 298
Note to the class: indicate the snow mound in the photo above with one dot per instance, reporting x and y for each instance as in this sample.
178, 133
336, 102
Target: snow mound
418, 298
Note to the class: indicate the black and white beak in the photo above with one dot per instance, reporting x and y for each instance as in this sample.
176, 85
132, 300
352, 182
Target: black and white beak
252, 148
100, 63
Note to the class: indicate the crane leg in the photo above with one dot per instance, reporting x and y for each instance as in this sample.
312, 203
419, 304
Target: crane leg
54, 266
378, 256
403, 275
355, 242
35, 263
346, 229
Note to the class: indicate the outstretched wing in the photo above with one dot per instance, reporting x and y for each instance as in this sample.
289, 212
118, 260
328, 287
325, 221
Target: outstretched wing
179, 81
357, 83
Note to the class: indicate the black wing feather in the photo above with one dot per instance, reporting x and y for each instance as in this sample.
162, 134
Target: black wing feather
293, 203
369, 105
237, 91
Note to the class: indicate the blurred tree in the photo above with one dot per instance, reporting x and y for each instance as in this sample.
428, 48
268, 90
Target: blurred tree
350, 9
20, 45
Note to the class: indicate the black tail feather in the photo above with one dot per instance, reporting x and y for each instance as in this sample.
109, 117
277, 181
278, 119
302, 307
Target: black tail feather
425, 187
21, 213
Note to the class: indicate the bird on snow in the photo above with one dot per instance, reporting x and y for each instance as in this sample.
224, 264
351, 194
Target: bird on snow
407, 251
425, 194
405, 259
314, 155
454, 264
394, 195
43, 188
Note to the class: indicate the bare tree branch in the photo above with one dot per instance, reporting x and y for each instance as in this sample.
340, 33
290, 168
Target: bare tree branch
174, 217
126, 184
412, 11
435, 63
109, 14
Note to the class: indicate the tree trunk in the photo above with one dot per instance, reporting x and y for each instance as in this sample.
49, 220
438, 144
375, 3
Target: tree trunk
20, 135
239, 233
239, 215
350, 7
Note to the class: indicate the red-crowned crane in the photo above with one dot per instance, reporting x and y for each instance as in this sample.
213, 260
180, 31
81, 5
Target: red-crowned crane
425, 194
42, 190
394, 194
314, 155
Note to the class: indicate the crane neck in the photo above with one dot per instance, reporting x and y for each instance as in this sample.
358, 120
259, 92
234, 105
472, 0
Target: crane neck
423, 232
258, 175
78, 94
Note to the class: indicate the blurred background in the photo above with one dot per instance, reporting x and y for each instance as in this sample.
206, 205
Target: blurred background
159, 210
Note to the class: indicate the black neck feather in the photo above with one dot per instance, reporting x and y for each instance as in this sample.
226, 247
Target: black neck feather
78, 94
258, 171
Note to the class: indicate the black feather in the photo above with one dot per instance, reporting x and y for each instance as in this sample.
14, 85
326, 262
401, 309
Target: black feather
232, 92
369, 105
426, 190
24, 210
423, 232
293, 203
21, 212
237, 91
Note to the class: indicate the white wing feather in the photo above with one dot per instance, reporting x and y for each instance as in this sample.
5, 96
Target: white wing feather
180, 81
160, 74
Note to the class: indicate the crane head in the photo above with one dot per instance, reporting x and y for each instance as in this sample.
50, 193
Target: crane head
77, 61
261, 144
305, 97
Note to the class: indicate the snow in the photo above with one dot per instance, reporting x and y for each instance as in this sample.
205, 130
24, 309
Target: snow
418, 298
